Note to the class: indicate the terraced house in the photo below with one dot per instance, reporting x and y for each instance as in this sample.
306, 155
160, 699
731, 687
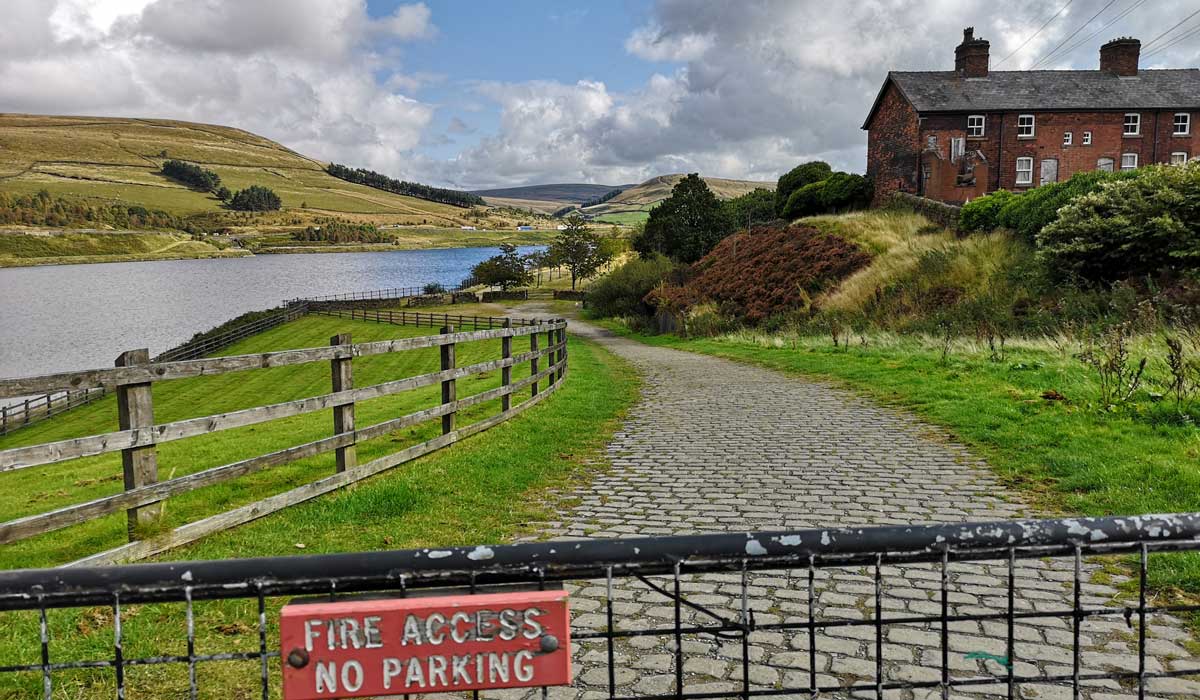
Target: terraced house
955, 135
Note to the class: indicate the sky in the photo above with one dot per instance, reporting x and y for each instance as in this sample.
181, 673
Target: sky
493, 94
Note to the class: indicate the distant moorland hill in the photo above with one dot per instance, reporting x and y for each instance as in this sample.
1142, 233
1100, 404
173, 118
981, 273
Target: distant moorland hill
567, 193
118, 160
634, 203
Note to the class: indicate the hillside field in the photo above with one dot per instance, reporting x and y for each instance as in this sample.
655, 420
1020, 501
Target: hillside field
118, 159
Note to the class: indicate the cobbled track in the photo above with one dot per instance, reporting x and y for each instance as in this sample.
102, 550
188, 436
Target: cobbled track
715, 445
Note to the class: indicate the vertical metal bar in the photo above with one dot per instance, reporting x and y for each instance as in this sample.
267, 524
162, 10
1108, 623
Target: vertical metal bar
745, 635
945, 623
1078, 620
191, 643
262, 645
812, 628
118, 653
45, 631
879, 626
1012, 601
612, 672
1142, 624
678, 628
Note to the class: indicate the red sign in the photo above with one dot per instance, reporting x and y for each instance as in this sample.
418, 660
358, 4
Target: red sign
365, 648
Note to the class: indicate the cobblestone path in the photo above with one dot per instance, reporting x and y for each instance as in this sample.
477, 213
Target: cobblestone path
718, 446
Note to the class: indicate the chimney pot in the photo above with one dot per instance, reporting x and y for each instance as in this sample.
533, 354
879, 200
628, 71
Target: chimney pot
971, 56
1121, 56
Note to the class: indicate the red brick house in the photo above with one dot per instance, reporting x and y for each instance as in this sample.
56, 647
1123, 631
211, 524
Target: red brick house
955, 135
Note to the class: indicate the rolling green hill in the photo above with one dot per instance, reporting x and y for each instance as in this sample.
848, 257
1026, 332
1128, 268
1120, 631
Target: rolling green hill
634, 203
118, 160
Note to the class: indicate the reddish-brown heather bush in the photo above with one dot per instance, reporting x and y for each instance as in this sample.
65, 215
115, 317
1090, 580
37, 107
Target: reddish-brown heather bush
765, 271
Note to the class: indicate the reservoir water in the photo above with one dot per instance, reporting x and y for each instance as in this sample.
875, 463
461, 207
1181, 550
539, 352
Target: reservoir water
65, 317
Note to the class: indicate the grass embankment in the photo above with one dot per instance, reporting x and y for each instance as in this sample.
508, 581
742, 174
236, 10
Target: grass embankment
484, 489
402, 239
1066, 456
19, 249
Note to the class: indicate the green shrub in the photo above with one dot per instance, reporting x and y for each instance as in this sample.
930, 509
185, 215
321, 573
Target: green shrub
255, 198
983, 213
621, 292
843, 191
805, 201
1029, 213
1146, 224
797, 177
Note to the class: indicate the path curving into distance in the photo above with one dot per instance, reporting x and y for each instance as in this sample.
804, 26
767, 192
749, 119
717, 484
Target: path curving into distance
715, 445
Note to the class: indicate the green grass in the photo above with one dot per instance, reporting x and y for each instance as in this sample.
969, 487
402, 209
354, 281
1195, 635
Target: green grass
623, 218
485, 489
1066, 456
18, 249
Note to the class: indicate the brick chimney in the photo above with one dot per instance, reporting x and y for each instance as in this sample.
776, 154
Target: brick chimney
1120, 56
971, 56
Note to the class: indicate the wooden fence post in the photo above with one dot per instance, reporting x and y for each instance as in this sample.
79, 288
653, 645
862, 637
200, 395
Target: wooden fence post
533, 364
343, 415
550, 358
562, 352
506, 372
449, 389
135, 410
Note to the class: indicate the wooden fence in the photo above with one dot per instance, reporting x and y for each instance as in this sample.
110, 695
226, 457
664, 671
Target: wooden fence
32, 410
207, 346
417, 318
135, 374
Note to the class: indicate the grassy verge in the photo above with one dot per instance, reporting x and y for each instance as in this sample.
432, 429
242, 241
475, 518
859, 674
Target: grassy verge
1065, 455
488, 488
403, 239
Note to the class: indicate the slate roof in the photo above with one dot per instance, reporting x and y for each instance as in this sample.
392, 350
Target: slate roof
947, 91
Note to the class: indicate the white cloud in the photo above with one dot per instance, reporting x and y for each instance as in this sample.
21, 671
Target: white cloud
407, 22
305, 76
653, 44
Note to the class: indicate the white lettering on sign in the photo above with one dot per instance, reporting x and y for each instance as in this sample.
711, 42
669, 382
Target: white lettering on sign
408, 646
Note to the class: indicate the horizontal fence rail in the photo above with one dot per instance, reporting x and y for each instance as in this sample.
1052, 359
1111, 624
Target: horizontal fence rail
674, 573
135, 374
417, 318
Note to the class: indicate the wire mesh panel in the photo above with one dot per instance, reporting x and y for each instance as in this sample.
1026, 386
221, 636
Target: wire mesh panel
1028, 609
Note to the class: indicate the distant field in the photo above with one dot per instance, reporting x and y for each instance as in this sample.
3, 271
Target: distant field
19, 249
405, 239
117, 159
624, 218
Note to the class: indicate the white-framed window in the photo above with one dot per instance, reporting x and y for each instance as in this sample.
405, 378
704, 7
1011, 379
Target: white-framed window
1024, 171
958, 146
1087, 138
975, 125
1179, 158
1133, 124
1105, 164
1128, 161
1183, 124
1025, 126
931, 142
1067, 138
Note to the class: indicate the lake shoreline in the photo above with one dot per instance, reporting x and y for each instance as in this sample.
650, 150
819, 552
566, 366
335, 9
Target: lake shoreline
245, 253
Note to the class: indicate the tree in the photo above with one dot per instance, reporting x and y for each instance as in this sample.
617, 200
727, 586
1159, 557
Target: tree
535, 262
579, 249
797, 177
256, 198
685, 225
504, 270
754, 207
223, 193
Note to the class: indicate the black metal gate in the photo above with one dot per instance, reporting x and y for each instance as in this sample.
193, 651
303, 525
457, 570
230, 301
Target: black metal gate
74, 632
